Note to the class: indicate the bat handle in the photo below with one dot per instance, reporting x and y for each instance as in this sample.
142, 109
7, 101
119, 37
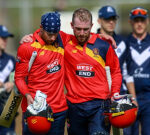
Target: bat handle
108, 75
33, 56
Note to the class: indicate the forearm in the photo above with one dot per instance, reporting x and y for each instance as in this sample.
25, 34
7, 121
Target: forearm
113, 62
8, 86
131, 88
22, 86
116, 82
130, 85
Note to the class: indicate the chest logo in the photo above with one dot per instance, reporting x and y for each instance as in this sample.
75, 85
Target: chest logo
96, 51
138, 73
85, 70
54, 66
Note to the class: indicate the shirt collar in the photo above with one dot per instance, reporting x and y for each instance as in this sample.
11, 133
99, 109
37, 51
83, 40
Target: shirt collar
38, 38
133, 39
93, 38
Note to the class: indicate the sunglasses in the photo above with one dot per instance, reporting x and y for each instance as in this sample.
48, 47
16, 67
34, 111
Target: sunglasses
139, 11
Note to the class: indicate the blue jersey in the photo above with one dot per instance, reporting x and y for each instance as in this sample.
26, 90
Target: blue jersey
7, 65
139, 65
121, 49
121, 52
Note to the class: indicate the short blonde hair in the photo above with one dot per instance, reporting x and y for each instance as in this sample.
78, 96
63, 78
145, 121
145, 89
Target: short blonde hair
83, 14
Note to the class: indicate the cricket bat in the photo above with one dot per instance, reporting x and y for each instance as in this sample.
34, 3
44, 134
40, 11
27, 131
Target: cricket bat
14, 100
108, 75
116, 131
11, 106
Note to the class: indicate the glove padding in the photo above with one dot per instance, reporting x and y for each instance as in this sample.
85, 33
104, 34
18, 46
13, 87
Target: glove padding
122, 99
45, 113
121, 103
39, 103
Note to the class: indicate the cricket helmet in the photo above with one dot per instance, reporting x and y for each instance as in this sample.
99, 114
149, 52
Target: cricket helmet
38, 124
122, 113
41, 123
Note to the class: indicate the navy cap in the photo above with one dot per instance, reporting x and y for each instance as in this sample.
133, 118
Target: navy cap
51, 22
107, 12
4, 32
138, 12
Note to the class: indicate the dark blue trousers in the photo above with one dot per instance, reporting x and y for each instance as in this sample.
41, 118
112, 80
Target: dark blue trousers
88, 118
8, 131
4, 130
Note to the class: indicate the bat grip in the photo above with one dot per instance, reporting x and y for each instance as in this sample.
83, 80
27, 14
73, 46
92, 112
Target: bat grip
108, 75
34, 54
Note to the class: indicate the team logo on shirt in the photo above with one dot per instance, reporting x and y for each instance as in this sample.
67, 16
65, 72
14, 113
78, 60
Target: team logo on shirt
54, 66
85, 70
96, 51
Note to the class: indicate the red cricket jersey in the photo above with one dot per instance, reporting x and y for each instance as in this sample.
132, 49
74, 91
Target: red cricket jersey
46, 74
85, 70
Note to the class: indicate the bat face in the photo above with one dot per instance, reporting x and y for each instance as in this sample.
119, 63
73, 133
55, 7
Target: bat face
10, 109
14, 100
11, 106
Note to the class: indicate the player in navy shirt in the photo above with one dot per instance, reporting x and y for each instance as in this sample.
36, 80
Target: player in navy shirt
7, 65
107, 18
138, 65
